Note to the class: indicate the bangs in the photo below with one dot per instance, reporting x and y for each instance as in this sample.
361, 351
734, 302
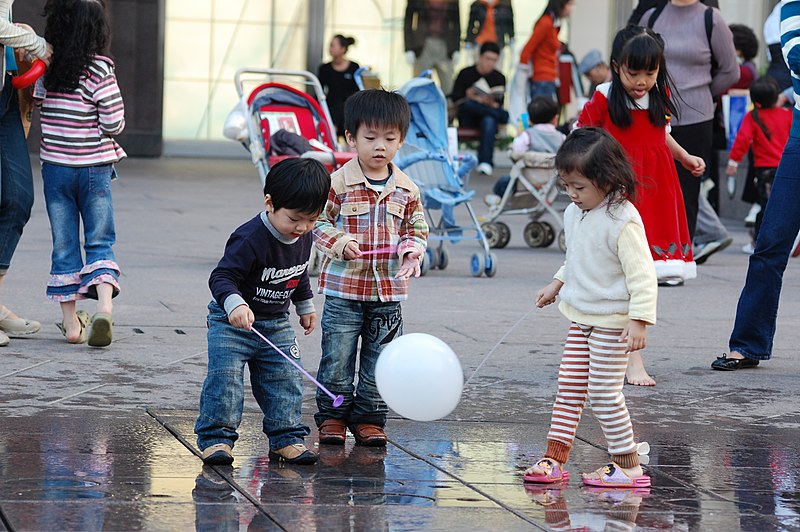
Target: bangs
642, 53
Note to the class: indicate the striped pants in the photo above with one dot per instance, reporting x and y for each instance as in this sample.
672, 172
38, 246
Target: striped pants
593, 367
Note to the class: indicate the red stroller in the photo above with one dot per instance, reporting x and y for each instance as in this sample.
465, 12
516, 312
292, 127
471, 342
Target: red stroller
273, 106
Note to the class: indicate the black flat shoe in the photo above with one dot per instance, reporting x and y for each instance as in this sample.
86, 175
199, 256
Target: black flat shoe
724, 363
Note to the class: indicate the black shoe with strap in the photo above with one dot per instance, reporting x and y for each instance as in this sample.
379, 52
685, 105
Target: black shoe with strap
724, 363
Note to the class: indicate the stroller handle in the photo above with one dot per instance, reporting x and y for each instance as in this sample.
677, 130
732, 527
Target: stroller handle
308, 78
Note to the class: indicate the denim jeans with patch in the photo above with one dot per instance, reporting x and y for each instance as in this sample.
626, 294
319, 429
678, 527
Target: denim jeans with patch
277, 385
344, 322
757, 311
76, 195
16, 180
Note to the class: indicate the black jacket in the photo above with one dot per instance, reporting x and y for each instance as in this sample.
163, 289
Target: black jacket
503, 21
415, 26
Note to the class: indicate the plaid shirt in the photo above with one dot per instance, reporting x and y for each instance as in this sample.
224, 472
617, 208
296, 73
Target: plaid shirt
357, 212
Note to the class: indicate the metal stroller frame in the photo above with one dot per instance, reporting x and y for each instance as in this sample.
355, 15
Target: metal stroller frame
535, 173
441, 177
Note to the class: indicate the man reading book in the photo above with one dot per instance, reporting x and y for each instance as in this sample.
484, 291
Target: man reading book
478, 93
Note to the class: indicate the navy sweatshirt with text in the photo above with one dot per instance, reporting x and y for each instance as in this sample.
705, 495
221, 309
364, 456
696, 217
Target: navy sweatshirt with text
265, 270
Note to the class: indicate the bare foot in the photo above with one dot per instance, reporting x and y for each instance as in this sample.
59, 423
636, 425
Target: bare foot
72, 329
636, 374
542, 467
597, 474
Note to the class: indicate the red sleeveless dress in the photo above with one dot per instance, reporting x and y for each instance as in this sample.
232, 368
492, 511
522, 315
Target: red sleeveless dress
658, 192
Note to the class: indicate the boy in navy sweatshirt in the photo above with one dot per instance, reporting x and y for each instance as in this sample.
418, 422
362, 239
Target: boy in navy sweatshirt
262, 270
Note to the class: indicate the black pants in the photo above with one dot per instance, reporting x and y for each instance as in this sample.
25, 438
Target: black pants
696, 139
764, 179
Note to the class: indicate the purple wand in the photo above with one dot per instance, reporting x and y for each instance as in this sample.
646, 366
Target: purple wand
337, 399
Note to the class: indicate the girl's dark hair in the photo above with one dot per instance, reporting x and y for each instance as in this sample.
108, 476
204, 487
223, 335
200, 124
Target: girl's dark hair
596, 155
78, 30
376, 107
638, 48
300, 184
764, 93
554, 8
344, 42
744, 40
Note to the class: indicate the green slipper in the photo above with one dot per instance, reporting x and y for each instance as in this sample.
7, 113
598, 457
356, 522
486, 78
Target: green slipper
100, 330
83, 318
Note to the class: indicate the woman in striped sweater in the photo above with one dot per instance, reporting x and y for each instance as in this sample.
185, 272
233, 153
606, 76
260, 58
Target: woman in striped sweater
81, 111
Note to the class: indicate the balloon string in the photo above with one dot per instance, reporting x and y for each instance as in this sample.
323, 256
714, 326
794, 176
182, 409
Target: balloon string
493, 349
387, 249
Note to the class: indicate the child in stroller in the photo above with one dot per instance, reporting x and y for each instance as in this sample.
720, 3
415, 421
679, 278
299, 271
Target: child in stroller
531, 186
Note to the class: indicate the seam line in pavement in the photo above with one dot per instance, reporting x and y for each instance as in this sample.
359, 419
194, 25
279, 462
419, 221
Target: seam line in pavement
235, 485
470, 486
93, 388
24, 369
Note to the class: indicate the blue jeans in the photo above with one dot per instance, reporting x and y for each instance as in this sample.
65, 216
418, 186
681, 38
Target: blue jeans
75, 194
544, 88
757, 312
343, 323
16, 180
277, 384
475, 114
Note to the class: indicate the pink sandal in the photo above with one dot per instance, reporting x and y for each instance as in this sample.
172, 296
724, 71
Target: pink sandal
553, 473
612, 476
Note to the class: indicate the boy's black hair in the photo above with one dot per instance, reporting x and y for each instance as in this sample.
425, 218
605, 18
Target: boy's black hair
300, 184
744, 40
490, 46
376, 108
639, 48
542, 110
596, 155
78, 30
764, 93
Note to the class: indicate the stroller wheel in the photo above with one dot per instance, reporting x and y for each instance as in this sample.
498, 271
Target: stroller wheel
476, 265
425, 264
505, 234
443, 258
490, 265
492, 234
535, 234
550, 234
562, 241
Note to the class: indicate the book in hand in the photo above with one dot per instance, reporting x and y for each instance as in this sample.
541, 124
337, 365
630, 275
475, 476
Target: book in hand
482, 88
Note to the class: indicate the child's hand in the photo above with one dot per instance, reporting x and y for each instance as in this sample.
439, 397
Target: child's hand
730, 171
547, 295
308, 322
696, 165
351, 251
410, 265
635, 334
242, 317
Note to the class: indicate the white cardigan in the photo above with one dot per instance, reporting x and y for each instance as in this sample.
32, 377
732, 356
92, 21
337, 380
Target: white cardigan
16, 37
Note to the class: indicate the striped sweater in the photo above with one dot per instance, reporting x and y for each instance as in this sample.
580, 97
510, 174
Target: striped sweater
78, 127
790, 43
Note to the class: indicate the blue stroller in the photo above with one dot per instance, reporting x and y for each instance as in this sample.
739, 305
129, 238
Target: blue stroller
441, 177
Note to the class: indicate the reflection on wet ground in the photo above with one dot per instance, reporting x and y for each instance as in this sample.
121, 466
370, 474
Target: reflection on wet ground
139, 472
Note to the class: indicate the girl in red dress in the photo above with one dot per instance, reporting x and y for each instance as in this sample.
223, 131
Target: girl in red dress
635, 107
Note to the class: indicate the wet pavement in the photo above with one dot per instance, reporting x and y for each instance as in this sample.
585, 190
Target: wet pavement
102, 439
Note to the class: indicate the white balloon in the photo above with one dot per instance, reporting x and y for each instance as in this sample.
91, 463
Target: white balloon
419, 377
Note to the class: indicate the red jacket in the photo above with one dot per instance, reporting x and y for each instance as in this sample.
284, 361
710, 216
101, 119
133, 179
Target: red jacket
542, 49
766, 152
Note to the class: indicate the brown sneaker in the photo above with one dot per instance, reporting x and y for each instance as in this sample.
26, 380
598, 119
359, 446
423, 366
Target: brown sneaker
369, 434
333, 432
219, 454
296, 453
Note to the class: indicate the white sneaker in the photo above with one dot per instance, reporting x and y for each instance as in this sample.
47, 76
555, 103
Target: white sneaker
485, 169
748, 248
750, 219
491, 200
3, 339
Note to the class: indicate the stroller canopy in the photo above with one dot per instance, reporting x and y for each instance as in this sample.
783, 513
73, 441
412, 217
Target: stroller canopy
428, 129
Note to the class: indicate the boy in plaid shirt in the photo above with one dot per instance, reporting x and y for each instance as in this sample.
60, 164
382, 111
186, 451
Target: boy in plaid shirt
373, 234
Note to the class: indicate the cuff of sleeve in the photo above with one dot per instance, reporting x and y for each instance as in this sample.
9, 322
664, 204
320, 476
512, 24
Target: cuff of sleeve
337, 250
304, 307
233, 301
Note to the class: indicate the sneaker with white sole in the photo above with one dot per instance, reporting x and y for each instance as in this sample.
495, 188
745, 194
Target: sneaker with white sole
703, 251
748, 249
296, 453
750, 219
492, 199
485, 169
3, 339
218, 454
